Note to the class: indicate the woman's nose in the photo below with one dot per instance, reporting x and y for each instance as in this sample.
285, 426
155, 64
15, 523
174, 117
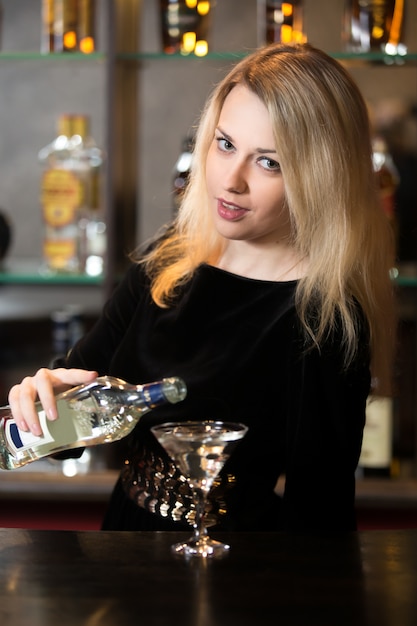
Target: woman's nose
235, 180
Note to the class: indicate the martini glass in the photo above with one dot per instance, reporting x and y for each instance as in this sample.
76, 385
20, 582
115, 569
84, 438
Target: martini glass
199, 450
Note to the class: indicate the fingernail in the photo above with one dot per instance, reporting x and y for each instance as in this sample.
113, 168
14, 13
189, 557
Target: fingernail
36, 430
23, 426
52, 414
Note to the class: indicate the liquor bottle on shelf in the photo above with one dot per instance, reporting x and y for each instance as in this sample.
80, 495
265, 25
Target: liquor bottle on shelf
47, 20
65, 25
60, 321
388, 180
182, 170
68, 26
67, 328
92, 224
86, 26
62, 195
75, 230
185, 26
374, 26
280, 22
376, 455
103, 411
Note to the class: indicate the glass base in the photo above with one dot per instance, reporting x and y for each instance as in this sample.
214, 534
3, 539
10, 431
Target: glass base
203, 547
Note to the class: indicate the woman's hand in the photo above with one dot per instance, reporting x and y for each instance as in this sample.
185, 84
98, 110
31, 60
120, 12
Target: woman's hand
43, 386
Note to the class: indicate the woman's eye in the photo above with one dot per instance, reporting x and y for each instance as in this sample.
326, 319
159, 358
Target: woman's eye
269, 164
224, 144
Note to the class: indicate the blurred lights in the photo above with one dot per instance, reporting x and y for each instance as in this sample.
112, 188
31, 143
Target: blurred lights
188, 42
70, 40
185, 27
201, 48
87, 45
203, 8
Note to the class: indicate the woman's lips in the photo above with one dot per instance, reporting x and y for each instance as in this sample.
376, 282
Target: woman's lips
229, 211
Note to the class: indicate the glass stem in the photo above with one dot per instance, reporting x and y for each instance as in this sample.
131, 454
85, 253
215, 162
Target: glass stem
200, 530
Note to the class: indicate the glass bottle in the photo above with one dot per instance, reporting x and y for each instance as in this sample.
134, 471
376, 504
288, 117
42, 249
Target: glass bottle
86, 26
388, 180
185, 26
182, 170
102, 411
62, 194
47, 20
65, 16
92, 224
280, 22
376, 454
374, 26
73, 211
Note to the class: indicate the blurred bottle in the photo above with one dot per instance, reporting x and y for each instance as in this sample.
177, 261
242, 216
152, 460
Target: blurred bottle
74, 227
67, 327
185, 26
62, 194
92, 224
68, 26
376, 455
388, 180
86, 26
65, 25
182, 170
47, 34
280, 22
374, 25
60, 322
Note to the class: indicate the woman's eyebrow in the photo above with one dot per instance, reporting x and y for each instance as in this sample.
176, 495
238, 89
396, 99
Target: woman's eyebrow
258, 150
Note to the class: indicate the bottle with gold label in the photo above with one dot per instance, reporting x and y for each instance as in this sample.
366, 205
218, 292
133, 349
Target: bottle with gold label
63, 195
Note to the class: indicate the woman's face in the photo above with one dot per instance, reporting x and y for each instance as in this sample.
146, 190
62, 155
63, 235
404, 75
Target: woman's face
244, 179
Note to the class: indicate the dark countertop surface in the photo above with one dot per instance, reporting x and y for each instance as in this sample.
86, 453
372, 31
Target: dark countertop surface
80, 578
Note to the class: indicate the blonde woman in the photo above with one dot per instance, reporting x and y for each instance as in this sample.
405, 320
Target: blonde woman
270, 295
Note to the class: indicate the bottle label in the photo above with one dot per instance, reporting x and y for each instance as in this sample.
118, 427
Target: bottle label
154, 395
60, 254
377, 434
19, 440
74, 425
62, 194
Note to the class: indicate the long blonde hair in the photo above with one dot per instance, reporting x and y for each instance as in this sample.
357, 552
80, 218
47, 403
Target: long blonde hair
323, 140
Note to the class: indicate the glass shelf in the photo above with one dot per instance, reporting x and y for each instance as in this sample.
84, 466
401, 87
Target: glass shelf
36, 56
406, 281
365, 58
29, 272
370, 57
155, 56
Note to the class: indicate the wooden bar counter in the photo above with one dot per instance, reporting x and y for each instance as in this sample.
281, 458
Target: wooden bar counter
88, 578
